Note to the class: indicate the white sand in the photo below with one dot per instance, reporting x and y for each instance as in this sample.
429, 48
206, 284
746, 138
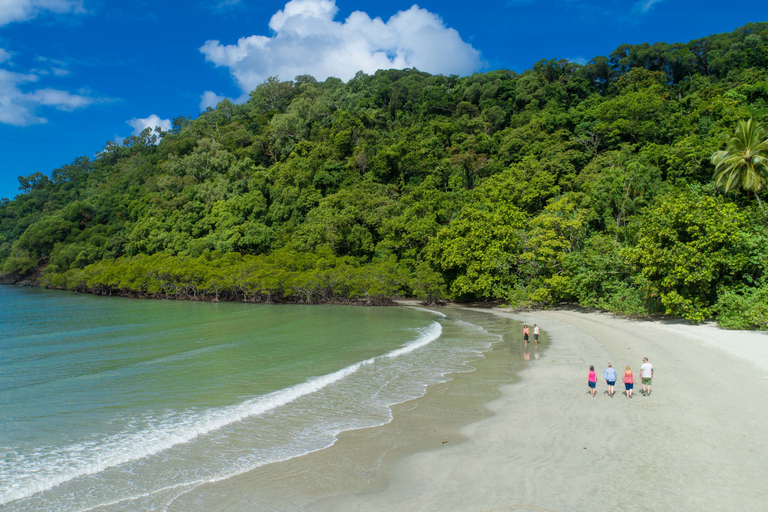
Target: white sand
699, 442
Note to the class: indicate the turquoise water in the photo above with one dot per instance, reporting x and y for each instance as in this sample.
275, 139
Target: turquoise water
120, 404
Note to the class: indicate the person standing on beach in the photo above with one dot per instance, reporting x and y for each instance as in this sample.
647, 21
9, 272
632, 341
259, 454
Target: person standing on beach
592, 380
646, 376
629, 381
610, 379
525, 334
536, 333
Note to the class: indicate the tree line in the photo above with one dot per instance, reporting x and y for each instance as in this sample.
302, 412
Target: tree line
599, 185
281, 277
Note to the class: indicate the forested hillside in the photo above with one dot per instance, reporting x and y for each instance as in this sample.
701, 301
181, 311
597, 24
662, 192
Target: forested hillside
586, 184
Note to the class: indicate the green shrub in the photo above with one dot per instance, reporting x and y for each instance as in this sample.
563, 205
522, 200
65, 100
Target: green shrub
624, 299
747, 310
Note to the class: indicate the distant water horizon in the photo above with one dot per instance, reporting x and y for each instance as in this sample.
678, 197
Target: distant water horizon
114, 403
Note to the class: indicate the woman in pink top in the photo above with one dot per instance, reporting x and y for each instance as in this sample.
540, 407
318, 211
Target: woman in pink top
629, 381
525, 334
592, 380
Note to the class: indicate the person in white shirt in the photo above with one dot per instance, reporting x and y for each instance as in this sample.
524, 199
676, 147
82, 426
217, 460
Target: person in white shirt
536, 333
646, 374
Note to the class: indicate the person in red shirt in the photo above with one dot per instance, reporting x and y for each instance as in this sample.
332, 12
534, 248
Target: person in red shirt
592, 380
629, 381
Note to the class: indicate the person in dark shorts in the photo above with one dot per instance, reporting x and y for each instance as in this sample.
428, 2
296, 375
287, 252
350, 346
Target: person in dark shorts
525, 334
536, 333
592, 380
610, 379
629, 381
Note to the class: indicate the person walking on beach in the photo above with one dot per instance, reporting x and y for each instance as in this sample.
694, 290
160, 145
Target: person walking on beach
629, 381
646, 376
592, 380
525, 334
536, 333
610, 379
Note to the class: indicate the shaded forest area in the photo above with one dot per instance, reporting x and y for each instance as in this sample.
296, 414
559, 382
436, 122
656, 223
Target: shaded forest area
566, 183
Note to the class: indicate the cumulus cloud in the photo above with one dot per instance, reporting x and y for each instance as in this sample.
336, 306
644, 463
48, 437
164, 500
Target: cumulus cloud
20, 10
307, 40
18, 108
209, 99
151, 122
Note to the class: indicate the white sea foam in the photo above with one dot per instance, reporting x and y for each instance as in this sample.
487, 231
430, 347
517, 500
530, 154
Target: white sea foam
429, 335
39, 473
43, 471
431, 311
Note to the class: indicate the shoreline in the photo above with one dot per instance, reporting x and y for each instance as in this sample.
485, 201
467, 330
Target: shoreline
396, 381
373, 302
360, 460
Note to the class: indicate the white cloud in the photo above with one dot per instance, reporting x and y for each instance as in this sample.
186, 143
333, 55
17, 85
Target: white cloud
18, 108
4, 55
50, 66
209, 99
151, 122
61, 100
20, 10
13, 109
307, 40
645, 5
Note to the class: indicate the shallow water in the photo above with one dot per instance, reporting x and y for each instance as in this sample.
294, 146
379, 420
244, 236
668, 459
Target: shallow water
109, 403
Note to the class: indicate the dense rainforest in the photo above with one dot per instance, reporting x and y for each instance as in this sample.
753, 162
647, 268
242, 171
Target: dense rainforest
589, 184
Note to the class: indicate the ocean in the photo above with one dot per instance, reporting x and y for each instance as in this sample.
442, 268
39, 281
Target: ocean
122, 404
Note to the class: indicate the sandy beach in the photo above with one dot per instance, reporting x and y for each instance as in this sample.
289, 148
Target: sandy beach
696, 443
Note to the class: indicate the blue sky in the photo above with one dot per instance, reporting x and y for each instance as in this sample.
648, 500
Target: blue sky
77, 73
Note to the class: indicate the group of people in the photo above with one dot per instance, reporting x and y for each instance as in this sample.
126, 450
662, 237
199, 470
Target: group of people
646, 379
526, 332
610, 376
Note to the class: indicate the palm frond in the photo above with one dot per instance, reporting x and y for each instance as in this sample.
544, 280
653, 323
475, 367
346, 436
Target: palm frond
744, 160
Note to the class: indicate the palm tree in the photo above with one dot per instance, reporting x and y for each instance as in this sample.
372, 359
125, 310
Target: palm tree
744, 161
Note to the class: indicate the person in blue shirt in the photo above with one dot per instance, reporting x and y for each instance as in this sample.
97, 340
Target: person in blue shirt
610, 379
